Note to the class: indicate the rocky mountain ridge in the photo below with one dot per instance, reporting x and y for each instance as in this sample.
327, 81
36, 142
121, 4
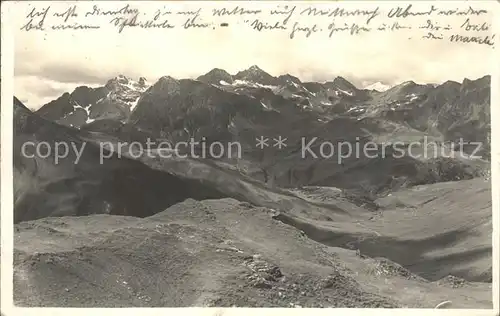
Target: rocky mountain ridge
450, 110
220, 107
115, 100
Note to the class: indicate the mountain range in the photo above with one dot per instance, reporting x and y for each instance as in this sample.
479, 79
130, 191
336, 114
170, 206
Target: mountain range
269, 228
175, 107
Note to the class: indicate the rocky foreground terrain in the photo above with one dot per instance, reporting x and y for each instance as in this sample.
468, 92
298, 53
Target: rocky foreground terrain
271, 228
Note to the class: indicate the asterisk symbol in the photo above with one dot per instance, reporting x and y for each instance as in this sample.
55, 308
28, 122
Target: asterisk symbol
279, 142
262, 142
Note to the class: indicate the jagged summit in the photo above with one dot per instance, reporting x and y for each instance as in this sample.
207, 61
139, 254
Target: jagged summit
121, 82
408, 83
216, 76
450, 83
117, 81
254, 68
142, 81
115, 100
289, 78
344, 84
164, 79
165, 84
257, 75
481, 82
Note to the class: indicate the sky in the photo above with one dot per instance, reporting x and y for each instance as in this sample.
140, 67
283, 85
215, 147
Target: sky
48, 63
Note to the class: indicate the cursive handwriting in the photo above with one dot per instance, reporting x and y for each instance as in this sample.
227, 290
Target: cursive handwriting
304, 29
430, 25
432, 36
194, 23
483, 40
30, 26
74, 26
69, 13
481, 27
399, 12
96, 11
189, 12
286, 11
295, 21
38, 18
259, 26
36, 14
353, 28
469, 11
122, 22
235, 11
393, 27
340, 12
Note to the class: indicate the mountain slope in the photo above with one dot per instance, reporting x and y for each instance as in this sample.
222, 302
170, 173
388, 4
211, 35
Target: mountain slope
455, 111
84, 105
211, 253
80, 184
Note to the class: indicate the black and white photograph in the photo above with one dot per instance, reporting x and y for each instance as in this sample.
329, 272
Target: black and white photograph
254, 154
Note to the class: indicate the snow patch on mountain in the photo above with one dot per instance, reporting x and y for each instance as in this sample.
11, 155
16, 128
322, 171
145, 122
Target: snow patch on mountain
133, 104
378, 86
127, 90
77, 106
413, 97
356, 109
253, 84
340, 91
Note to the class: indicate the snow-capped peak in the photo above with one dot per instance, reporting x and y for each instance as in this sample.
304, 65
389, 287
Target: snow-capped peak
127, 90
378, 86
122, 82
257, 75
143, 81
254, 68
